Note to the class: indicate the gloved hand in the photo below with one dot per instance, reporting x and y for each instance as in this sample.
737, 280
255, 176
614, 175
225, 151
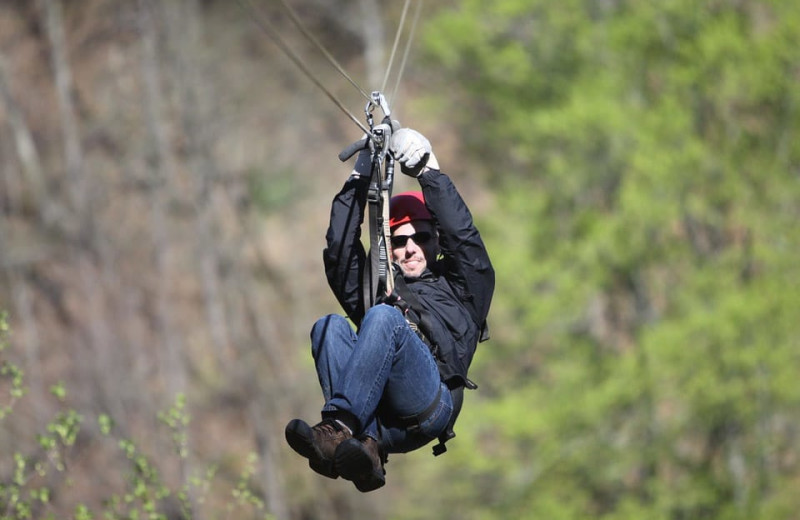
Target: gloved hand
363, 165
413, 151
393, 123
395, 300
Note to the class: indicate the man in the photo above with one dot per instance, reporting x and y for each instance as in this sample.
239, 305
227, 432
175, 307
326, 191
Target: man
397, 383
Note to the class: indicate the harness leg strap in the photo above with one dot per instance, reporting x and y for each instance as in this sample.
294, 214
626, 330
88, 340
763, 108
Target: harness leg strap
413, 422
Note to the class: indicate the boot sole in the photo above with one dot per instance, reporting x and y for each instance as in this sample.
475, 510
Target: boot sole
300, 438
354, 464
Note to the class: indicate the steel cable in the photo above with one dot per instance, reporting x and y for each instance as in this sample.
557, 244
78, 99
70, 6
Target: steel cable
394, 46
393, 96
322, 49
270, 31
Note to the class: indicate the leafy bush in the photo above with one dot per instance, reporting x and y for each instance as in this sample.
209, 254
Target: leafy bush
26, 493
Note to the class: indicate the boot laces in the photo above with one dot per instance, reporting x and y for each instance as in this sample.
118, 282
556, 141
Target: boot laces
329, 429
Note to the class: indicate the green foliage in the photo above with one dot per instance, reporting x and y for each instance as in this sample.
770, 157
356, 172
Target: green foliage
25, 493
243, 494
177, 419
645, 340
10, 374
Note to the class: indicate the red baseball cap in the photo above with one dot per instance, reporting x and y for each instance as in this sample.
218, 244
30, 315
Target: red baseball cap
406, 207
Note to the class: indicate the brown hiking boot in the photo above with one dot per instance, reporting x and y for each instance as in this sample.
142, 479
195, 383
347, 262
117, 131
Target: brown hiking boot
317, 443
362, 463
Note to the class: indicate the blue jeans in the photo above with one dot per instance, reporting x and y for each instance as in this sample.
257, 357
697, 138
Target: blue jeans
379, 375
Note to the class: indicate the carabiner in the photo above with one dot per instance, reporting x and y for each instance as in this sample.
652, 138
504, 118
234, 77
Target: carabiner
378, 99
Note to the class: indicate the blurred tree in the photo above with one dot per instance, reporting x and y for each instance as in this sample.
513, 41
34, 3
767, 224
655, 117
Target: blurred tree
643, 334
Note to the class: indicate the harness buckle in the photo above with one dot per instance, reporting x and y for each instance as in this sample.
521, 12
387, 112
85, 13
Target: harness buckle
373, 195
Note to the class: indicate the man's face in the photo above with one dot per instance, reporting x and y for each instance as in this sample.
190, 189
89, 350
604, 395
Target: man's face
414, 244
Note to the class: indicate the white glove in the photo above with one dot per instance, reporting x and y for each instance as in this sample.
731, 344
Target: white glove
412, 150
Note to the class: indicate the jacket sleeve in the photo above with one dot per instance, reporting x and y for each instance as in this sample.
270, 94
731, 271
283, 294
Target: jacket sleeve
344, 257
466, 261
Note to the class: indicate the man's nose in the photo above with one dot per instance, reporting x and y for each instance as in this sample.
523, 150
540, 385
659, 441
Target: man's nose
411, 245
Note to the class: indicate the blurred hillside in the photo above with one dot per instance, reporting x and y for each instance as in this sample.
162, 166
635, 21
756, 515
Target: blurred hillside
633, 166
167, 174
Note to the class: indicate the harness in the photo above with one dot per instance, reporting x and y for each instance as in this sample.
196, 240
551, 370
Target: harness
420, 324
378, 277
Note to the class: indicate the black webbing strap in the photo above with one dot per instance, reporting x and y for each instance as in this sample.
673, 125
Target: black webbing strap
369, 285
411, 299
377, 276
448, 433
413, 422
424, 327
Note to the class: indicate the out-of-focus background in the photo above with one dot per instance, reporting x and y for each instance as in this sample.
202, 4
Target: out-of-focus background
165, 180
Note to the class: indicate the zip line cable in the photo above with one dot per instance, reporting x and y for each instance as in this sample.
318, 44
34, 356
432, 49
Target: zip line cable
410, 39
321, 48
273, 34
379, 239
394, 46
270, 31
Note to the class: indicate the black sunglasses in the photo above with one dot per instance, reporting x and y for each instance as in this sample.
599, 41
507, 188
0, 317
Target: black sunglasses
419, 238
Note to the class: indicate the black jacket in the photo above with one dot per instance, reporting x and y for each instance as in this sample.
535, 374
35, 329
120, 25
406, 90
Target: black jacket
455, 293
